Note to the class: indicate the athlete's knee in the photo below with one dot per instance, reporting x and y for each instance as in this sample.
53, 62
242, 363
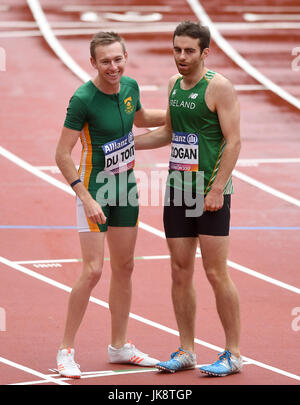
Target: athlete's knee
182, 274
123, 269
216, 275
92, 272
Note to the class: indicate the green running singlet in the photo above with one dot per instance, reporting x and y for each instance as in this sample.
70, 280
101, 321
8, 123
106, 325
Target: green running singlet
197, 140
105, 123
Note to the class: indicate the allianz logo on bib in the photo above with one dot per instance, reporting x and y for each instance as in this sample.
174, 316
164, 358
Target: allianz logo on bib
185, 138
192, 139
130, 137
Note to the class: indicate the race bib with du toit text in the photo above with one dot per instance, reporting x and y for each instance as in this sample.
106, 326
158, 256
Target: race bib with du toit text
119, 154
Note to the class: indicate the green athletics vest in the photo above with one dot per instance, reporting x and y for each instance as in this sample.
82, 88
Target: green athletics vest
105, 123
197, 140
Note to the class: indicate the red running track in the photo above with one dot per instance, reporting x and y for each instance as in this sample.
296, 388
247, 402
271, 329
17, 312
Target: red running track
36, 87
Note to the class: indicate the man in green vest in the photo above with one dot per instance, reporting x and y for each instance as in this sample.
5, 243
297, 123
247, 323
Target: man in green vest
203, 127
101, 113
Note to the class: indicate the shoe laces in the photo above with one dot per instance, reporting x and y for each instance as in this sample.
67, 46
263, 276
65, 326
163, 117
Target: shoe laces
70, 360
178, 353
226, 355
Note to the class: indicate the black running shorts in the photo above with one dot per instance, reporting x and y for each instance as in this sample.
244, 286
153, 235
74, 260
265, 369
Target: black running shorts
178, 225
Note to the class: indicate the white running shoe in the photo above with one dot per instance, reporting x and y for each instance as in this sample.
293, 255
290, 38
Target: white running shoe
66, 364
130, 354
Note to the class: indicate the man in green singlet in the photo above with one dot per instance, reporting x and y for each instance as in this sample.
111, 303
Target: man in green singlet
102, 113
203, 128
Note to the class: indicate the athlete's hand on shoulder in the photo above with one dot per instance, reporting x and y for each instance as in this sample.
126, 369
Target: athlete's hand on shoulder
214, 200
93, 210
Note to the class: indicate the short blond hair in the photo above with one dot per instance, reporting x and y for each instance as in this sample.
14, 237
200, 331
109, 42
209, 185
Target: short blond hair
105, 38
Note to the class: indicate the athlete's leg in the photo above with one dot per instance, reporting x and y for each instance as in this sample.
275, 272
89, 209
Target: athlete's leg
182, 252
92, 246
121, 241
214, 250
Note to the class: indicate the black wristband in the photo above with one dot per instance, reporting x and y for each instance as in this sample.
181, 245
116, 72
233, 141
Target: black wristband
75, 182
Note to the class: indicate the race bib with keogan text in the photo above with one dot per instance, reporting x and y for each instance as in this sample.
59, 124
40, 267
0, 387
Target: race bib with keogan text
184, 152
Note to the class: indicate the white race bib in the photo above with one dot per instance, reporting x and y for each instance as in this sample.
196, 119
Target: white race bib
184, 152
119, 154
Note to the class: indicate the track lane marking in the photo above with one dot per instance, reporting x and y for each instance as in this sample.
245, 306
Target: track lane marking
52, 41
139, 318
158, 27
104, 373
235, 266
271, 17
218, 348
266, 188
222, 43
263, 9
46, 378
237, 58
91, 374
64, 187
243, 162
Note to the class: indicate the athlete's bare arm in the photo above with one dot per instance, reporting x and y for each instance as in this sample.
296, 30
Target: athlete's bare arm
145, 118
222, 98
65, 163
161, 136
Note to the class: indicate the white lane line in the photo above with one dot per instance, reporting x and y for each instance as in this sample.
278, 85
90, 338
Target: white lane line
133, 17
151, 28
53, 42
54, 261
243, 269
47, 261
258, 184
258, 161
163, 9
19, 34
266, 188
177, 332
149, 228
238, 26
271, 17
263, 277
237, 58
46, 378
62, 54
31, 169
55, 45
45, 279
240, 162
92, 374
249, 87
105, 373
75, 24
246, 162
263, 9
141, 319
234, 265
